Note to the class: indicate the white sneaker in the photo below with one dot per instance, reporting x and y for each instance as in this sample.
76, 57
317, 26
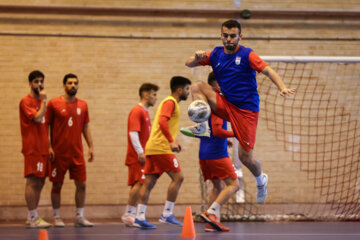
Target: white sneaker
128, 220
198, 130
58, 222
39, 223
262, 191
82, 222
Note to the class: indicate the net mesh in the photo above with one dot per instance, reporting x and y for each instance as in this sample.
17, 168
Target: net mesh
320, 127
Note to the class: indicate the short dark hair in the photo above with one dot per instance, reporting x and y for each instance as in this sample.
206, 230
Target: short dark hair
232, 24
178, 82
211, 78
35, 74
67, 76
147, 87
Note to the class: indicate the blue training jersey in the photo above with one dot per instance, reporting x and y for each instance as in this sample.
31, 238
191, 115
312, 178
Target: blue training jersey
213, 147
236, 78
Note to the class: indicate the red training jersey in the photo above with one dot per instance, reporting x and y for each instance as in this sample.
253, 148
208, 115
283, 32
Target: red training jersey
35, 140
67, 120
138, 121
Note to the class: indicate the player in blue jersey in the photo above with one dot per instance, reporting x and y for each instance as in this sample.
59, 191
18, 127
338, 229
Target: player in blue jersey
216, 165
235, 68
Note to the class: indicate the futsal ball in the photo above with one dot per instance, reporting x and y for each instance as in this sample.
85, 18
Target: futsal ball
199, 111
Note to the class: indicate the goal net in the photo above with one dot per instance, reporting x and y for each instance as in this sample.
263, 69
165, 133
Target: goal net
319, 127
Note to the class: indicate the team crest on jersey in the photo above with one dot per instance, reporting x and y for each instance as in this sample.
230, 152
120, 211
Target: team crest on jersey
238, 60
78, 110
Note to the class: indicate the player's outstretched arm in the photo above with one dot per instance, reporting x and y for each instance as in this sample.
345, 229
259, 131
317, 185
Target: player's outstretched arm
195, 60
275, 78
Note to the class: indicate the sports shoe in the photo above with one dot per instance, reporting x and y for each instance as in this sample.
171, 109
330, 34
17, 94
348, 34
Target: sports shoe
128, 220
39, 223
27, 222
209, 228
170, 220
198, 130
262, 191
82, 222
211, 219
144, 224
58, 222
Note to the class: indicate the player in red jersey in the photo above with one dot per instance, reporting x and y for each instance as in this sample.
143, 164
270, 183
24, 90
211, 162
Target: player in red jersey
35, 146
139, 127
68, 119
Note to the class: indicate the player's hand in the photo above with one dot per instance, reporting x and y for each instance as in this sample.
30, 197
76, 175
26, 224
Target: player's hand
230, 143
91, 155
175, 147
200, 56
42, 94
287, 92
141, 159
51, 153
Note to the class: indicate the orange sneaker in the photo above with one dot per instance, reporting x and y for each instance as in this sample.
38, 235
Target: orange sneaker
211, 219
209, 228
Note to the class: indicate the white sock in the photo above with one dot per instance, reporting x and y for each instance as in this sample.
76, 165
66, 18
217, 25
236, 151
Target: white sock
260, 179
130, 210
140, 213
215, 207
217, 214
80, 212
33, 214
56, 212
168, 209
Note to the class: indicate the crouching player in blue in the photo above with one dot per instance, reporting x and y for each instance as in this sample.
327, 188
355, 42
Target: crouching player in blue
216, 165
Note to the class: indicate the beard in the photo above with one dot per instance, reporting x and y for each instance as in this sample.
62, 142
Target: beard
231, 47
71, 92
183, 97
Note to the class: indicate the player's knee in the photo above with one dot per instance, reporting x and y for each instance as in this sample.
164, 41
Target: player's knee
181, 179
196, 87
56, 188
236, 185
245, 157
150, 184
80, 186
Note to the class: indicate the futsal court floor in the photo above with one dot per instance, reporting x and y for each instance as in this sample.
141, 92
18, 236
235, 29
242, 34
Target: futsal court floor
238, 230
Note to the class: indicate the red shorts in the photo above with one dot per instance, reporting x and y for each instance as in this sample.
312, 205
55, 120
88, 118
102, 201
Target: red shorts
37, 165
243, 122
135, 174
158, 164
75, 165
218, 168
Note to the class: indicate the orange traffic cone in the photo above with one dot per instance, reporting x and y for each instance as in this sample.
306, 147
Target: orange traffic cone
43, 235
188, 230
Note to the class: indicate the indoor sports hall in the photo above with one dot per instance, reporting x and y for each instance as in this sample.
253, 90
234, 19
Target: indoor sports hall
308, 143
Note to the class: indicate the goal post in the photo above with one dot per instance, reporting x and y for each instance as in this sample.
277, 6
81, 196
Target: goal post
319, 129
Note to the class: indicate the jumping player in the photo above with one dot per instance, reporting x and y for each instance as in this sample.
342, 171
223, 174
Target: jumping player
139, 127
68, 119
159, 151
215, 163
35, 146
235, 69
